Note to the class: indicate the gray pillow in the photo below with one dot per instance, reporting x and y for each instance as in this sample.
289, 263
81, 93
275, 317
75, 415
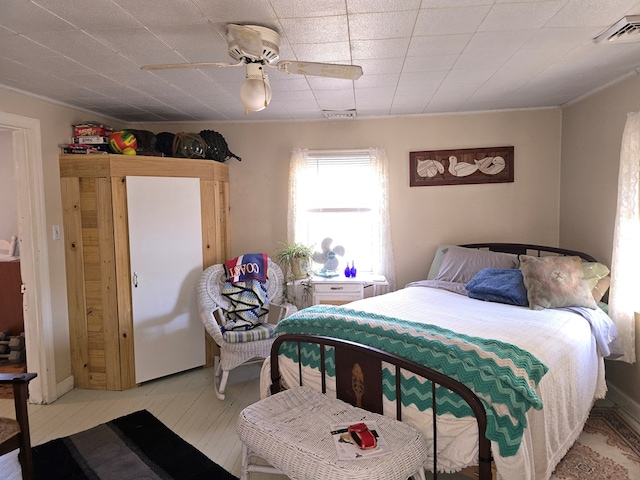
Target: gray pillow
437, 259
461, 264
555, 281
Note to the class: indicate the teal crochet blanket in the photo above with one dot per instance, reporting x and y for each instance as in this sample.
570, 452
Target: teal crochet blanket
502, 375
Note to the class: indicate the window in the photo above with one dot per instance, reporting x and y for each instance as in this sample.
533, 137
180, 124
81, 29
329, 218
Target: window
343, 195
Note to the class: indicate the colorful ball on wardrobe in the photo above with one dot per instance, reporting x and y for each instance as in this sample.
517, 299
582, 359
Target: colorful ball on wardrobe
121, 140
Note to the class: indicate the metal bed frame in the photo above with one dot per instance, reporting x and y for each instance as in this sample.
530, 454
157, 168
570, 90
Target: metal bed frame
348, 354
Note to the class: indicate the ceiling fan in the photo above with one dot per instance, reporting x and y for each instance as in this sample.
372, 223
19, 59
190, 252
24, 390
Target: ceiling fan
258, 47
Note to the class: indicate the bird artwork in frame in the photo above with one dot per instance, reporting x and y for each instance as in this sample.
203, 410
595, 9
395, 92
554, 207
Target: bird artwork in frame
461, 166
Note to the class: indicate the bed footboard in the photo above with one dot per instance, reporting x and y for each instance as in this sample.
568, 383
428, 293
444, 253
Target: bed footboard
358, 376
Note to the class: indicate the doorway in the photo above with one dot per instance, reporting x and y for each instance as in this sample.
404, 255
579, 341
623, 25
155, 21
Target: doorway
34, 259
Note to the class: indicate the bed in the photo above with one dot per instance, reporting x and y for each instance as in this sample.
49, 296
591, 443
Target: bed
536, 368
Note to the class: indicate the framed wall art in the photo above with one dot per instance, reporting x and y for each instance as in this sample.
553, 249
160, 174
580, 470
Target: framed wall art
460, 167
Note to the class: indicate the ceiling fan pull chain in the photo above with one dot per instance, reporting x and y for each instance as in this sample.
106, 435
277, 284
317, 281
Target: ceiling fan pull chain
264, 85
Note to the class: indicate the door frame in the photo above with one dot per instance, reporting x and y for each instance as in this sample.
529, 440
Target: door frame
34, 256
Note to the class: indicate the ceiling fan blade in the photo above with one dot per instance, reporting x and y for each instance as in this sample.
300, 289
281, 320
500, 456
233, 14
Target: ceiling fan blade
247, 39
168, 66
333, 70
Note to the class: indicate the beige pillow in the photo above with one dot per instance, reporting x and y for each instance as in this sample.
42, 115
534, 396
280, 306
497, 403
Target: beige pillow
555, 281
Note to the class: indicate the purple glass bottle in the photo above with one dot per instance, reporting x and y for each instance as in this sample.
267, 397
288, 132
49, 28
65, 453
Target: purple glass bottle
353, 270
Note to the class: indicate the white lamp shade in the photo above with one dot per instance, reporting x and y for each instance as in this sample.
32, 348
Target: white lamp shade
255, 92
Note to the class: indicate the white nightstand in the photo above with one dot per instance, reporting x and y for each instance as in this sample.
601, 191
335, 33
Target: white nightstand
341, 290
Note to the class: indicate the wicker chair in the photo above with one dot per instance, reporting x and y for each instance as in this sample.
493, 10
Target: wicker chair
242, 347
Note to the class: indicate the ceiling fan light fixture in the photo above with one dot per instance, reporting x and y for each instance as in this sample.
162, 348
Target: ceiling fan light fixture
255, 92
258, 47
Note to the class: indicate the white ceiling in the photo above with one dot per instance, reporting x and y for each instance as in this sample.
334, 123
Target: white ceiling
418, 56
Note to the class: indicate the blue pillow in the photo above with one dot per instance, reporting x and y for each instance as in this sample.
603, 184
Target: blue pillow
499, 285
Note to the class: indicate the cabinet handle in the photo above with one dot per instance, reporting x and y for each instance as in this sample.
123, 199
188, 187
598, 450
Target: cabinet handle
135, 279
337, 288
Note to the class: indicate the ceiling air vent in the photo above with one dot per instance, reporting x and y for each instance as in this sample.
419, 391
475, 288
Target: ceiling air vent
627, 29
337, 114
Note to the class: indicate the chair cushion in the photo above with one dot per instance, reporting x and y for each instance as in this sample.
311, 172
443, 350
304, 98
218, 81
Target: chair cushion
8, 428
260, 332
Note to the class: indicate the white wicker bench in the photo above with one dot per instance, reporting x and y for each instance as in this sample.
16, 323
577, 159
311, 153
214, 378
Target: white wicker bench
291, 431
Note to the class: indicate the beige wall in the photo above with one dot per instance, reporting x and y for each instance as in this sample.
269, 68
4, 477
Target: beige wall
55, 128
421, 217
8, 188
591, 138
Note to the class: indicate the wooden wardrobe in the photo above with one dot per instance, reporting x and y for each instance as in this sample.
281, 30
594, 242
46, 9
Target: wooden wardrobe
100, 280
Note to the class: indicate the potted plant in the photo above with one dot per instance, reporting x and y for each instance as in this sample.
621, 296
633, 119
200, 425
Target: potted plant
295, 258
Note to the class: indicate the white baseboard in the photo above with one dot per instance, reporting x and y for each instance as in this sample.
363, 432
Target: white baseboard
64, 386
623, 401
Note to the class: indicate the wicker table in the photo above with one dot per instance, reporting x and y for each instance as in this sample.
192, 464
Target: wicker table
291, 431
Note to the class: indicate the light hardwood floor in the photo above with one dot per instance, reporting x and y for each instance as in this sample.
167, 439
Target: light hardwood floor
185, 402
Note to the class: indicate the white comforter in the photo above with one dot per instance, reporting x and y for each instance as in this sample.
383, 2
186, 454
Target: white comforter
562, 340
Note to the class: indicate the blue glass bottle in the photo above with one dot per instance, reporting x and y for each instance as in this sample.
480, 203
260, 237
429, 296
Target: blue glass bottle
347, 271
353, 270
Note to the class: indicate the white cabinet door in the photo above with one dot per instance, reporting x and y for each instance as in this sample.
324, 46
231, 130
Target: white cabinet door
165, 242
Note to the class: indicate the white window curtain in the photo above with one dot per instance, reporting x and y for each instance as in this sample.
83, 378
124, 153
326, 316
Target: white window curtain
382, 262
624, 296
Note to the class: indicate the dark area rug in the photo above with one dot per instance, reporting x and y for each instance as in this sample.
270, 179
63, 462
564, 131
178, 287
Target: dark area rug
134, 446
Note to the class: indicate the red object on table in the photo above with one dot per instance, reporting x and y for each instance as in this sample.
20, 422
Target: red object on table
362, 436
